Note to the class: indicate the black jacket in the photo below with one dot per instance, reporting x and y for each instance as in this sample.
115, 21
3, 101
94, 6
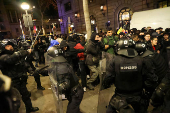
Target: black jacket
130, 74
93, 53
13, 64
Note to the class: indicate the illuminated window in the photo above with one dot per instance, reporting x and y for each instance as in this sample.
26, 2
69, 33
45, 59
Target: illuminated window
90, 1
163, 3
125, 17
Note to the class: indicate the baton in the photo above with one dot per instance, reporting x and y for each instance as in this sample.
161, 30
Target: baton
35, 39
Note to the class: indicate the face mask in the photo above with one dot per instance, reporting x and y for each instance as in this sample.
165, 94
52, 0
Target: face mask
141, 37
96, 41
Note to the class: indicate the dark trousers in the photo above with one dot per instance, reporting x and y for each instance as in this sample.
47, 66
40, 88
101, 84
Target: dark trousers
41, 58
20, 85
127, 104
82, 69
37, 80
36, 74
74, 102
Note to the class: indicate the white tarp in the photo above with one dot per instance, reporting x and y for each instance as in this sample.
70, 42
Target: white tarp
153, 18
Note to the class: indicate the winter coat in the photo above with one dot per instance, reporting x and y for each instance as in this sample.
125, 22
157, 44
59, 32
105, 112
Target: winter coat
52, 43
81, 55
93, 53
110, 40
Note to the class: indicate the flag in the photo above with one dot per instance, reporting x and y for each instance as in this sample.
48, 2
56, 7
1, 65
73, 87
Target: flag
120, 30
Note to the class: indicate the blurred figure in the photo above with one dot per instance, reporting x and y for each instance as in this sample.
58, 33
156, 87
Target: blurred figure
93, 56
9, 96
81, 63
41, 50
36, 53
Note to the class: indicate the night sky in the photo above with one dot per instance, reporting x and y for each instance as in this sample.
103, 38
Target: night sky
36, 13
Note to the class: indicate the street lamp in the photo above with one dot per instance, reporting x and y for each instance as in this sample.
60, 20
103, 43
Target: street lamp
26, 6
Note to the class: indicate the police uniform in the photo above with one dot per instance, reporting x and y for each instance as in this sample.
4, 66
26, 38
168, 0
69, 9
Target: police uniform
15, 68
67, 80
127, 69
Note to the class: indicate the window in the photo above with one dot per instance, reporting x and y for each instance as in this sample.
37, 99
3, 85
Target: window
56, 25
17, 30
90, 1
13, 16
1, 19
163, 3
2, 27
47, 26
125, 17
67, 6
51, 26
7, 2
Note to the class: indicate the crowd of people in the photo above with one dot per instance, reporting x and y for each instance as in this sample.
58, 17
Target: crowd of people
145, 50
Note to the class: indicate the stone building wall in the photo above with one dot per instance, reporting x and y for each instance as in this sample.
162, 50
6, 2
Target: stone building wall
110, 13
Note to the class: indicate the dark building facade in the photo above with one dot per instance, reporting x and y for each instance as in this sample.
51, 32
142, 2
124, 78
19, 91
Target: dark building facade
103, 13
9, 19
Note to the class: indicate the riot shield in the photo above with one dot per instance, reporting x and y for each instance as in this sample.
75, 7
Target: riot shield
105, 94
52, 72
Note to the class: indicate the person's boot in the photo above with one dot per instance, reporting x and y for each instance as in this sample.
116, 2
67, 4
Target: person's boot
90, 86
40, 88
32, 109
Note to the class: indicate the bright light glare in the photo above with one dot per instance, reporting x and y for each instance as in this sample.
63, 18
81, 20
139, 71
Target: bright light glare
154, 23
72, 26
25, 6
101, 7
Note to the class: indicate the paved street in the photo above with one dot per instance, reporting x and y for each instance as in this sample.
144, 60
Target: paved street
45, 101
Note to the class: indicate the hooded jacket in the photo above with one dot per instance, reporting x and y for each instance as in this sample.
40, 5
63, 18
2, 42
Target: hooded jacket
52, 43
93, 51
81, 55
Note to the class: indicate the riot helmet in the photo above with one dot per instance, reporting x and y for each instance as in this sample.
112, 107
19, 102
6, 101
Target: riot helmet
6, 42
56, 53
140, 47
25, 45
125, 47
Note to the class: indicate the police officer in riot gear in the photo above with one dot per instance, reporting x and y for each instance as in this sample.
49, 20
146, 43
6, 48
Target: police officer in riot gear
67, 80
127, 71
159, 95
31, 69
9, 96
154, 61
14, 67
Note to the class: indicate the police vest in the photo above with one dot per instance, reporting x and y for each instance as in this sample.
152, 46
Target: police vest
128, 74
